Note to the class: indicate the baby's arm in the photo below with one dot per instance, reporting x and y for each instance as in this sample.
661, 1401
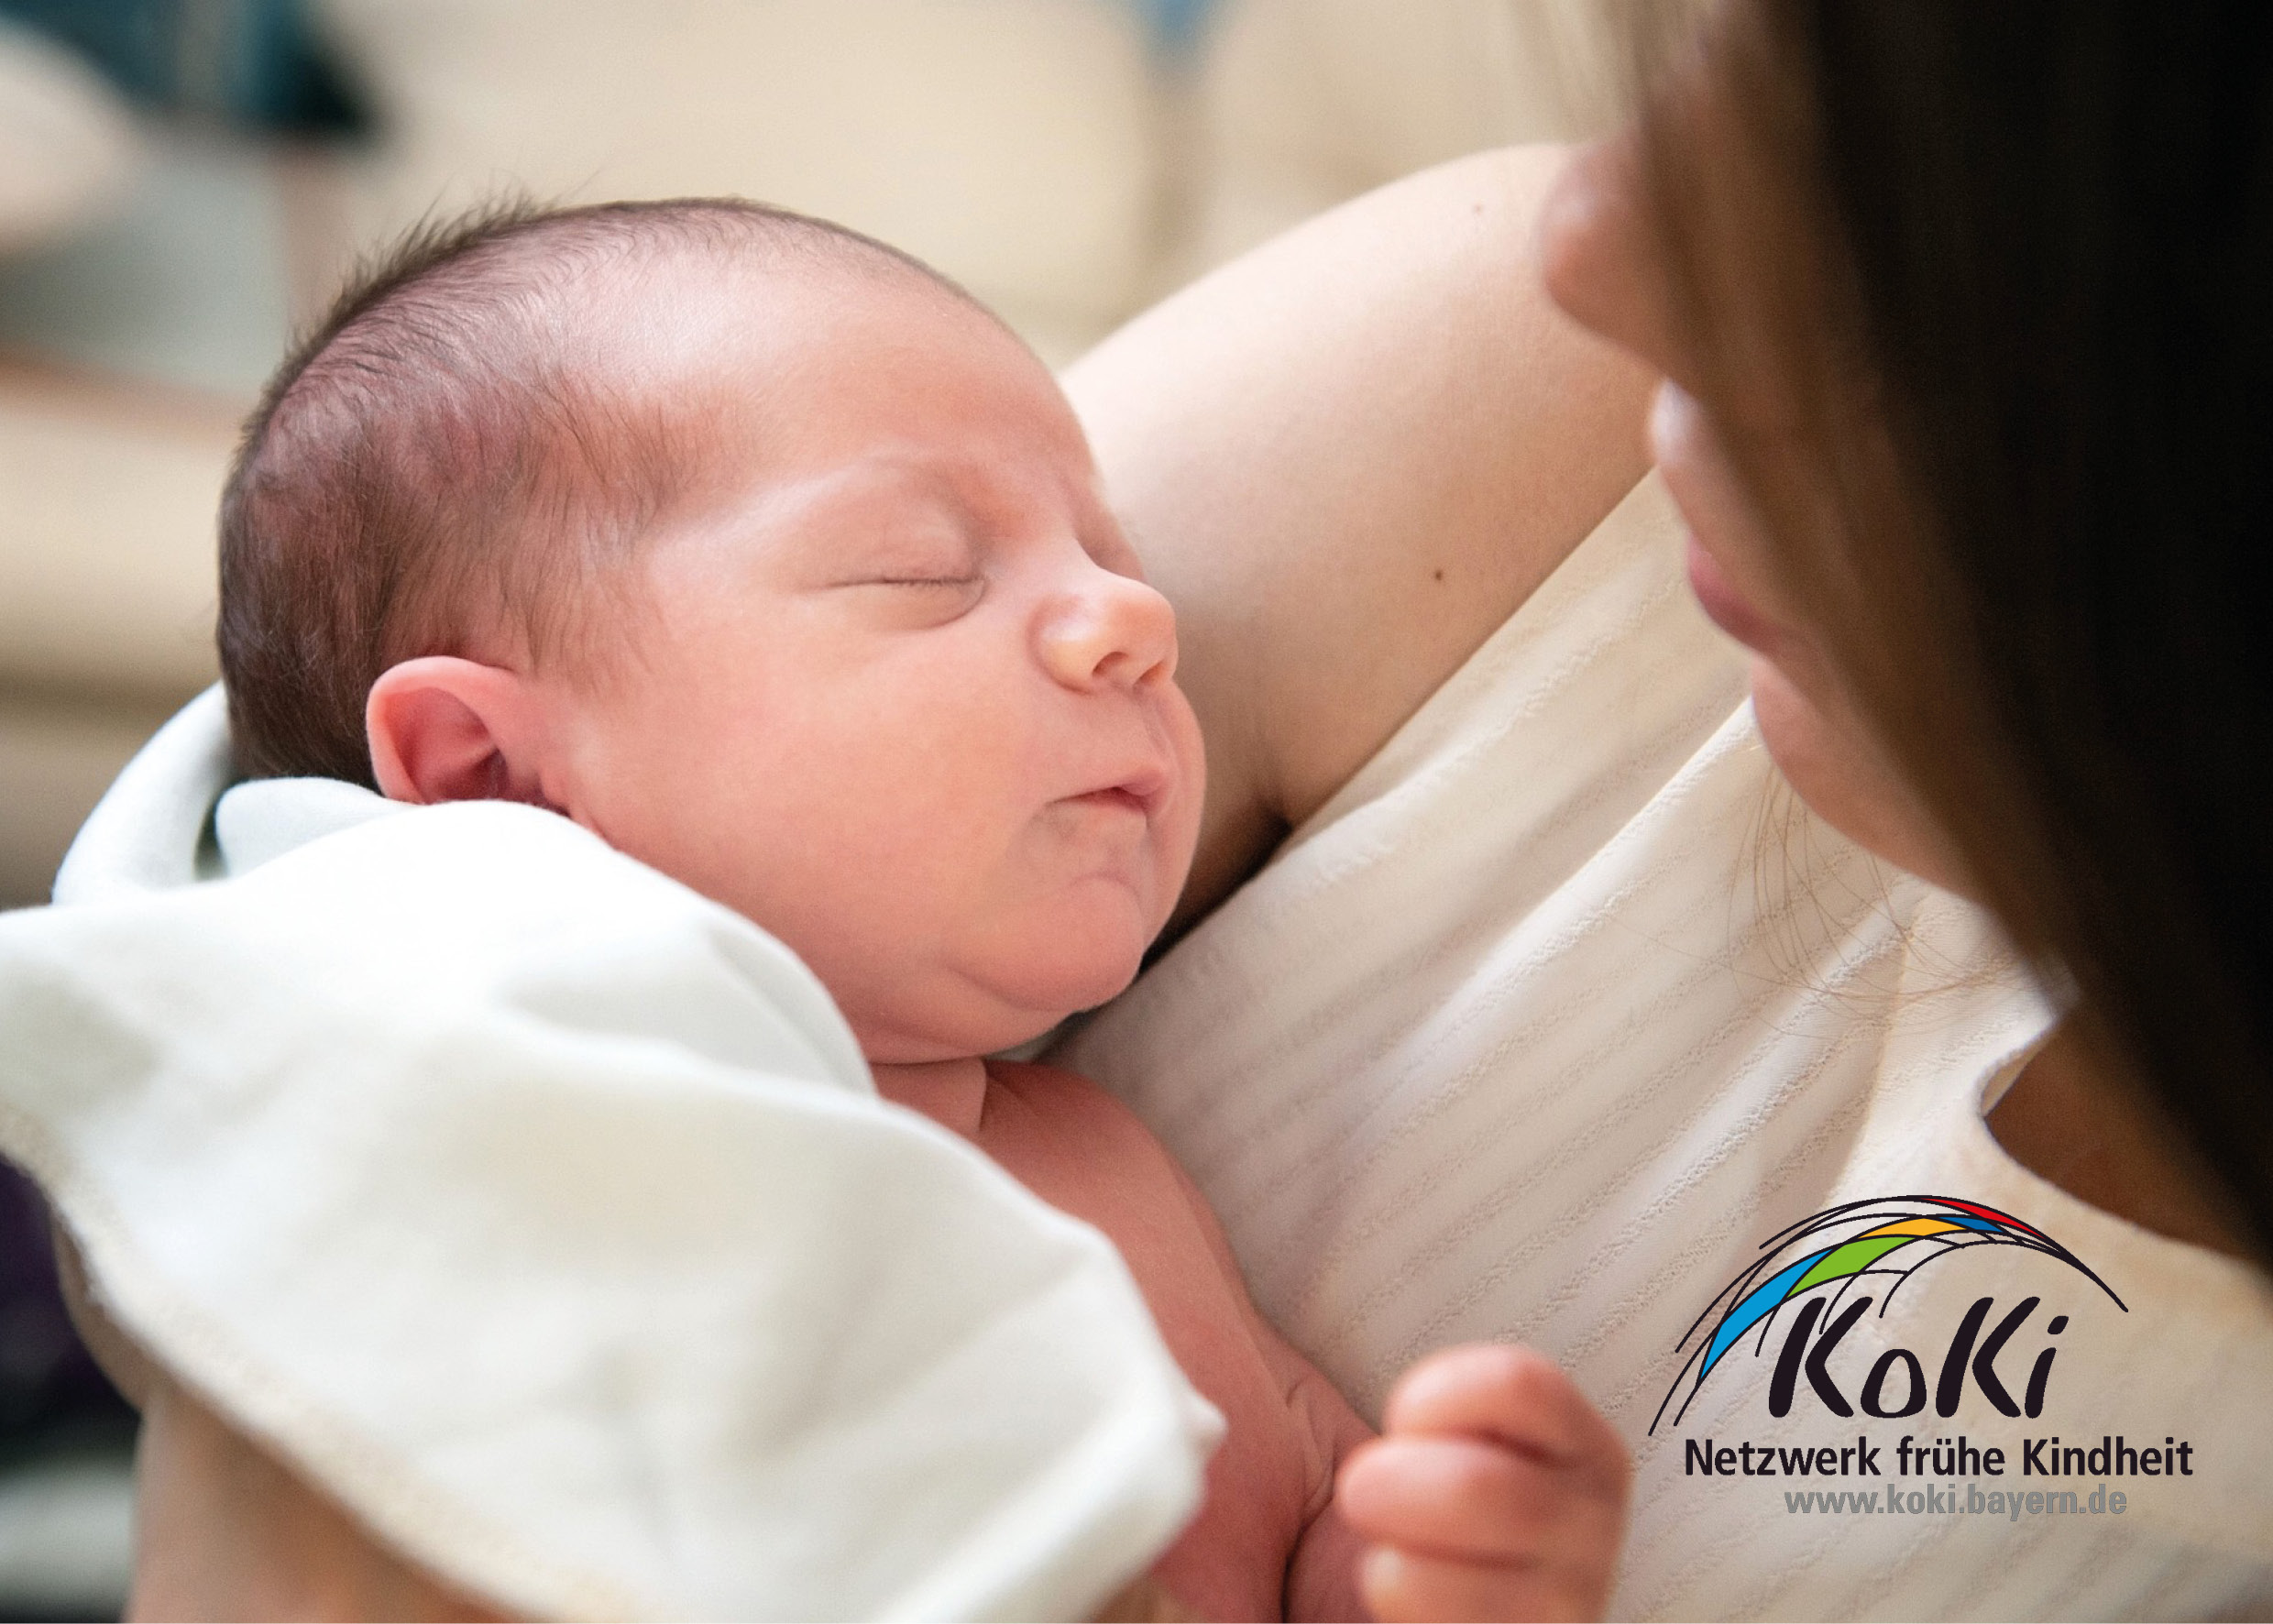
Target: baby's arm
1496, 1491
1322, 1573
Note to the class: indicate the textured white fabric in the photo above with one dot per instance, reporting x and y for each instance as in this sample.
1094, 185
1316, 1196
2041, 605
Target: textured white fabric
1561, 1009
546, 1212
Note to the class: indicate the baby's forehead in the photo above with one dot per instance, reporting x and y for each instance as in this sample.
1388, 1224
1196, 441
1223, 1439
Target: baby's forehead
708, 306
757, 356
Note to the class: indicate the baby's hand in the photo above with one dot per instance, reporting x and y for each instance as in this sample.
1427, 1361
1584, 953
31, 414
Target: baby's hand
1495, 1491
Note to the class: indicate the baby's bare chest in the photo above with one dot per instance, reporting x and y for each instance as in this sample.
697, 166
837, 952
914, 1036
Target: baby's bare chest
1079, 1149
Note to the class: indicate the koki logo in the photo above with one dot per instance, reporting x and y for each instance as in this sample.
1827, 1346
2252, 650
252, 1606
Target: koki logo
1817, 1263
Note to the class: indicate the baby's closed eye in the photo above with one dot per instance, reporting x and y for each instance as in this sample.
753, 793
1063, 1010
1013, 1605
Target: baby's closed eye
913, 593
929, 555
967, 580
903, 557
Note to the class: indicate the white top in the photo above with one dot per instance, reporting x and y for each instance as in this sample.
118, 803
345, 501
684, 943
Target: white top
1561, 1009
544, 1213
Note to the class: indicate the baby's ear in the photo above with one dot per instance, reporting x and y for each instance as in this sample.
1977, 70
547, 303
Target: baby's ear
443, 729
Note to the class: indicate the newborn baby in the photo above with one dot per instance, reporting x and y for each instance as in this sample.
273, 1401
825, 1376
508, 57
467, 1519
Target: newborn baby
772, 558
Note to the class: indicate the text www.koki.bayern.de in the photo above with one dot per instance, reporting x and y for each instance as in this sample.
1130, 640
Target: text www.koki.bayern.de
1971, 1501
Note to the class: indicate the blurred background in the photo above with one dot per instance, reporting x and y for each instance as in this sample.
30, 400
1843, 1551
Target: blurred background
184, 181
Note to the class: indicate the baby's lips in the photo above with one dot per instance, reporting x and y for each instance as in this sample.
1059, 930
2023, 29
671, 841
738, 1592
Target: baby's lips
1147, 788
1143, 785
1118, 795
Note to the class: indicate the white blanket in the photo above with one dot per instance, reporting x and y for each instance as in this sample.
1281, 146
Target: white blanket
546, 1213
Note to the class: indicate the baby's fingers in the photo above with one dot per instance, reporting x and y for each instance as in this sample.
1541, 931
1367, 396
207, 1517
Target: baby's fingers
1475, 1501
1495, 1491
1516, 1397
1400, 1584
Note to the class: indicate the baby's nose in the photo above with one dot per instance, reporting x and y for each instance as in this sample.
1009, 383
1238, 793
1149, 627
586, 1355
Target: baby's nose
1115, 630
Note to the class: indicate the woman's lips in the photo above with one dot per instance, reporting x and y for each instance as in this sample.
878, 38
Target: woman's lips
1726, 608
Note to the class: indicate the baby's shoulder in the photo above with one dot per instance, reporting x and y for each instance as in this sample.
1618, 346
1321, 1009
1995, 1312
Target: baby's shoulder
1061, 1133
1050, 1094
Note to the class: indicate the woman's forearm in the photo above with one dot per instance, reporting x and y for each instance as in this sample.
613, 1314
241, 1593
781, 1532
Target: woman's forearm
1347, 458
226, 1530
223, 1529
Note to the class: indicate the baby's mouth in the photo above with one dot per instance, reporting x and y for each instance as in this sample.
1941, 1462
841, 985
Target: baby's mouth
1120, 796
1142, 792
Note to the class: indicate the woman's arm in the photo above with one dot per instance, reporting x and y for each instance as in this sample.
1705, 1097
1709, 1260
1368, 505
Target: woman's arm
223, 1529
1347, 458
226, 1531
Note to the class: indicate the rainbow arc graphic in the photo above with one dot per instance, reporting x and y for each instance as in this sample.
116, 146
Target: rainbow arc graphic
1888, 1236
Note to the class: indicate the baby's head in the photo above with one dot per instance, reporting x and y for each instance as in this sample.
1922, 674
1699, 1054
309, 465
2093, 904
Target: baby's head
755, 547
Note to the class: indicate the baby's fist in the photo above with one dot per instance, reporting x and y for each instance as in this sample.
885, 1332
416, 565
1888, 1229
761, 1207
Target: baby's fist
1495, 1491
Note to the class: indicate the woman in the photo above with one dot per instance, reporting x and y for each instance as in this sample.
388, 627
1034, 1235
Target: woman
1961, 310
1960, 319
1354, 456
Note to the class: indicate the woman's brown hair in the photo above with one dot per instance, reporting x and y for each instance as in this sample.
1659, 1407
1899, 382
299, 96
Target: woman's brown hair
2007, 270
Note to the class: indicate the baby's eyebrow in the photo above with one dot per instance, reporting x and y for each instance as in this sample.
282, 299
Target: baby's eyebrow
932, 471
899, 471
866, 480
976, 496
926, 481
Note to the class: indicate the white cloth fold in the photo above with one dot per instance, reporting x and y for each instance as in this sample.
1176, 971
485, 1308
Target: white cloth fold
544, 1213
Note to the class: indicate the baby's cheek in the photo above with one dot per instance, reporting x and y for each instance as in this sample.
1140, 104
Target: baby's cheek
1176, 829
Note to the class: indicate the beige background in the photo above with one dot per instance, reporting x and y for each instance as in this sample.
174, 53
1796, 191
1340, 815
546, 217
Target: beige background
1054, 155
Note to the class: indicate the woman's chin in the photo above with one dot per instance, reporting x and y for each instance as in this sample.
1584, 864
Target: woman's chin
1844, 778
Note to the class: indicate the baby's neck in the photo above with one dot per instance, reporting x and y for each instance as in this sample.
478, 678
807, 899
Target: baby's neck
950, 1093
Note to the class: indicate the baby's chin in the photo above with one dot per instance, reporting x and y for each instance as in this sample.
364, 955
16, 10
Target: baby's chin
986, 1007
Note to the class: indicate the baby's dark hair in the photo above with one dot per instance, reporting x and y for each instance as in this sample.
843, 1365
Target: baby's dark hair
439, 458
